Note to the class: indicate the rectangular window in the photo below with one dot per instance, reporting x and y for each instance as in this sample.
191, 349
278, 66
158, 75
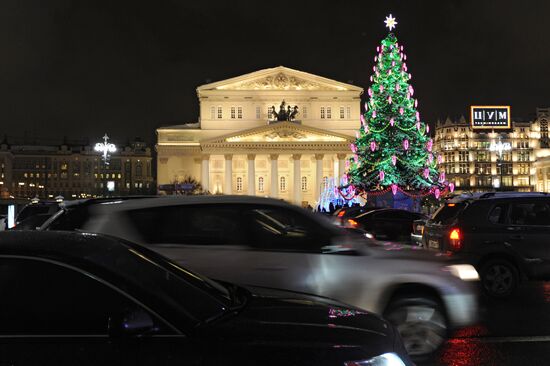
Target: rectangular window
240, 112
212, 112
348, 112
232, 112
463, 156
464, 168
523, 168
219, 112
329, 113
341, 112
258, 111
322, 112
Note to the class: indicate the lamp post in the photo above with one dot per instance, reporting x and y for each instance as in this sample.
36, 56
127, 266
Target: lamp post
106, 148
500, 147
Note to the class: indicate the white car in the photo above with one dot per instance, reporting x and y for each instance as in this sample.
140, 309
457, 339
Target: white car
267, 242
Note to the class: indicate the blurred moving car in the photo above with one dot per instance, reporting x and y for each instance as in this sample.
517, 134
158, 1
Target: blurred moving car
84, 299
505, 235
267, 242
387, 223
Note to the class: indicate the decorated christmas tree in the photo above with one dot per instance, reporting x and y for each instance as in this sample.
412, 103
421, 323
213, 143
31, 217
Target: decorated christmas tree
393, 150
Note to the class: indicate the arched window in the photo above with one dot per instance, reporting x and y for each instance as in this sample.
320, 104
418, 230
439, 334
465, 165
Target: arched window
282, 184
239, 184
304, 184
261, 184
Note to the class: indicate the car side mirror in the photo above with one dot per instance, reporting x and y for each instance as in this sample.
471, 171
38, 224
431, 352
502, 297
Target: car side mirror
130, 323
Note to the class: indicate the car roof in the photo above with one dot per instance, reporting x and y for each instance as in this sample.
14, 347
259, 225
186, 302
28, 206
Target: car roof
162, 201
464, 197
57, 244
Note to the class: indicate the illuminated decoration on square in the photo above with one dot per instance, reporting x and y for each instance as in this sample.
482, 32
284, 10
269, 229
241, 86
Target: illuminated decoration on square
106, 148
490, 117
391, 22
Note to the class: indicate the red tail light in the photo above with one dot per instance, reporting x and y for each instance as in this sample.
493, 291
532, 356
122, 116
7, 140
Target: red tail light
455, 239
341, 213
352, 223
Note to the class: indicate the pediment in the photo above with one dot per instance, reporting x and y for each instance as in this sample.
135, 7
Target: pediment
281, 132
280, 78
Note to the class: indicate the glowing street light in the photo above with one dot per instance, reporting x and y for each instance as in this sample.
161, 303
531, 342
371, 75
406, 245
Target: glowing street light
500, 147
106, 148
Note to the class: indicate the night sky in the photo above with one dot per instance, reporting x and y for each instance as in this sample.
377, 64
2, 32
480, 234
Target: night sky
83, 68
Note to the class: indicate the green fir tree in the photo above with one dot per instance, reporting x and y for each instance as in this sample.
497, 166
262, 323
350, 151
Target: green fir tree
393, 148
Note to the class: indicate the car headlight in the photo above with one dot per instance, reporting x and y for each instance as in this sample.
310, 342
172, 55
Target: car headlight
387, 359
465, 272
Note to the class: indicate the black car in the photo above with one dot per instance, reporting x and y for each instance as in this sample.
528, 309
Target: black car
35, 213
86, 299
387, 223
505, 235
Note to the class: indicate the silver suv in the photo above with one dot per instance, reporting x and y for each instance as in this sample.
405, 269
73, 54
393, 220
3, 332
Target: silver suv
266, 242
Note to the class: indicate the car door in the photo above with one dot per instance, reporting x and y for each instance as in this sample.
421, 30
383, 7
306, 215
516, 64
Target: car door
291, 250
53, 315
528, 233
209, 239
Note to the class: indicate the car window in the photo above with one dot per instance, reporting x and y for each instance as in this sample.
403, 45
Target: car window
38, 298
277, 228
29, 211
385, 214
190, 224
448, 212
69, 219
532, 213
497, 215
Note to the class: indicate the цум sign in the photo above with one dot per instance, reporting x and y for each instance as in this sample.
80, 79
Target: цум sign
490, 117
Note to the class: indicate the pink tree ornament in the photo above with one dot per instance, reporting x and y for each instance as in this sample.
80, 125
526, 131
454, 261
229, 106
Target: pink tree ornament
416, 103
427, 129
372, 146
392, 122
381, 88
393, 159
401, 110
418, 126
437, 193
406, 144
426, 173
451, 187
366, 128
429, 145
439, 159
394, 189
362, 118
418, 116
397, 87
389, 99
373, 114
381, 175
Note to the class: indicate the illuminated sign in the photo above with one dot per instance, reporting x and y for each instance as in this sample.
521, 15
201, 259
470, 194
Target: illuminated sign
489, 117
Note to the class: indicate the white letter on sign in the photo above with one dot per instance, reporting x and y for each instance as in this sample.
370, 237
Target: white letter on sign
503, 115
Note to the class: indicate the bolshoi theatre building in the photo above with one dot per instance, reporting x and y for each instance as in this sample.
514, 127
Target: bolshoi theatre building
276, 132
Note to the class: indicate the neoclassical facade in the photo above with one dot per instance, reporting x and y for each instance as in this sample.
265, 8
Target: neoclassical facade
239, 146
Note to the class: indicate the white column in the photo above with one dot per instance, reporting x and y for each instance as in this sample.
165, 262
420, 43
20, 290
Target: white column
274, 179
318, 176
228, 189
297, 187
251, 175
341, 166
205, 172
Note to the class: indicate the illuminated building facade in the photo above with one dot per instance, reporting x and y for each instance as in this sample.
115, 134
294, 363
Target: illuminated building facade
74, 171
470, 163
239, 146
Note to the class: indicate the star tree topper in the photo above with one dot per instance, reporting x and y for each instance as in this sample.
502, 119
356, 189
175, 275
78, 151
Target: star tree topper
391, 22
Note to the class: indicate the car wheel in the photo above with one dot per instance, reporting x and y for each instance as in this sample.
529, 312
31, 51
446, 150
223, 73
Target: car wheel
422, 324
499, 278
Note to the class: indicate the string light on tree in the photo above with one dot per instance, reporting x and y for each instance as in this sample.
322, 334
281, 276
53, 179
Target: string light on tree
106, 148
393, 150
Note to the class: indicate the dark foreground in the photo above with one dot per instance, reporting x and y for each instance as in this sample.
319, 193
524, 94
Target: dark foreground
514, 331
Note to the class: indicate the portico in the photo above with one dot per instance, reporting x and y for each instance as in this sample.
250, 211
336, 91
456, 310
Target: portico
286, 159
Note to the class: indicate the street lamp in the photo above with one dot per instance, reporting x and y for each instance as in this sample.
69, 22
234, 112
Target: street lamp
106, 148
500, 147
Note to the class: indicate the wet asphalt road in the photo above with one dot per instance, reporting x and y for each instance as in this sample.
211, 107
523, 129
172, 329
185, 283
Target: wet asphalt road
514, 331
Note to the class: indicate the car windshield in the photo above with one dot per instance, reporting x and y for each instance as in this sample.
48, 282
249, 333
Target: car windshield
448, 212
198, 297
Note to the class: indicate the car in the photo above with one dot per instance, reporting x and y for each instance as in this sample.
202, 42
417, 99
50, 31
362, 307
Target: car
86, 299
505, 235
417, 232
35, 213
342, 215
267, 242
388, 223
